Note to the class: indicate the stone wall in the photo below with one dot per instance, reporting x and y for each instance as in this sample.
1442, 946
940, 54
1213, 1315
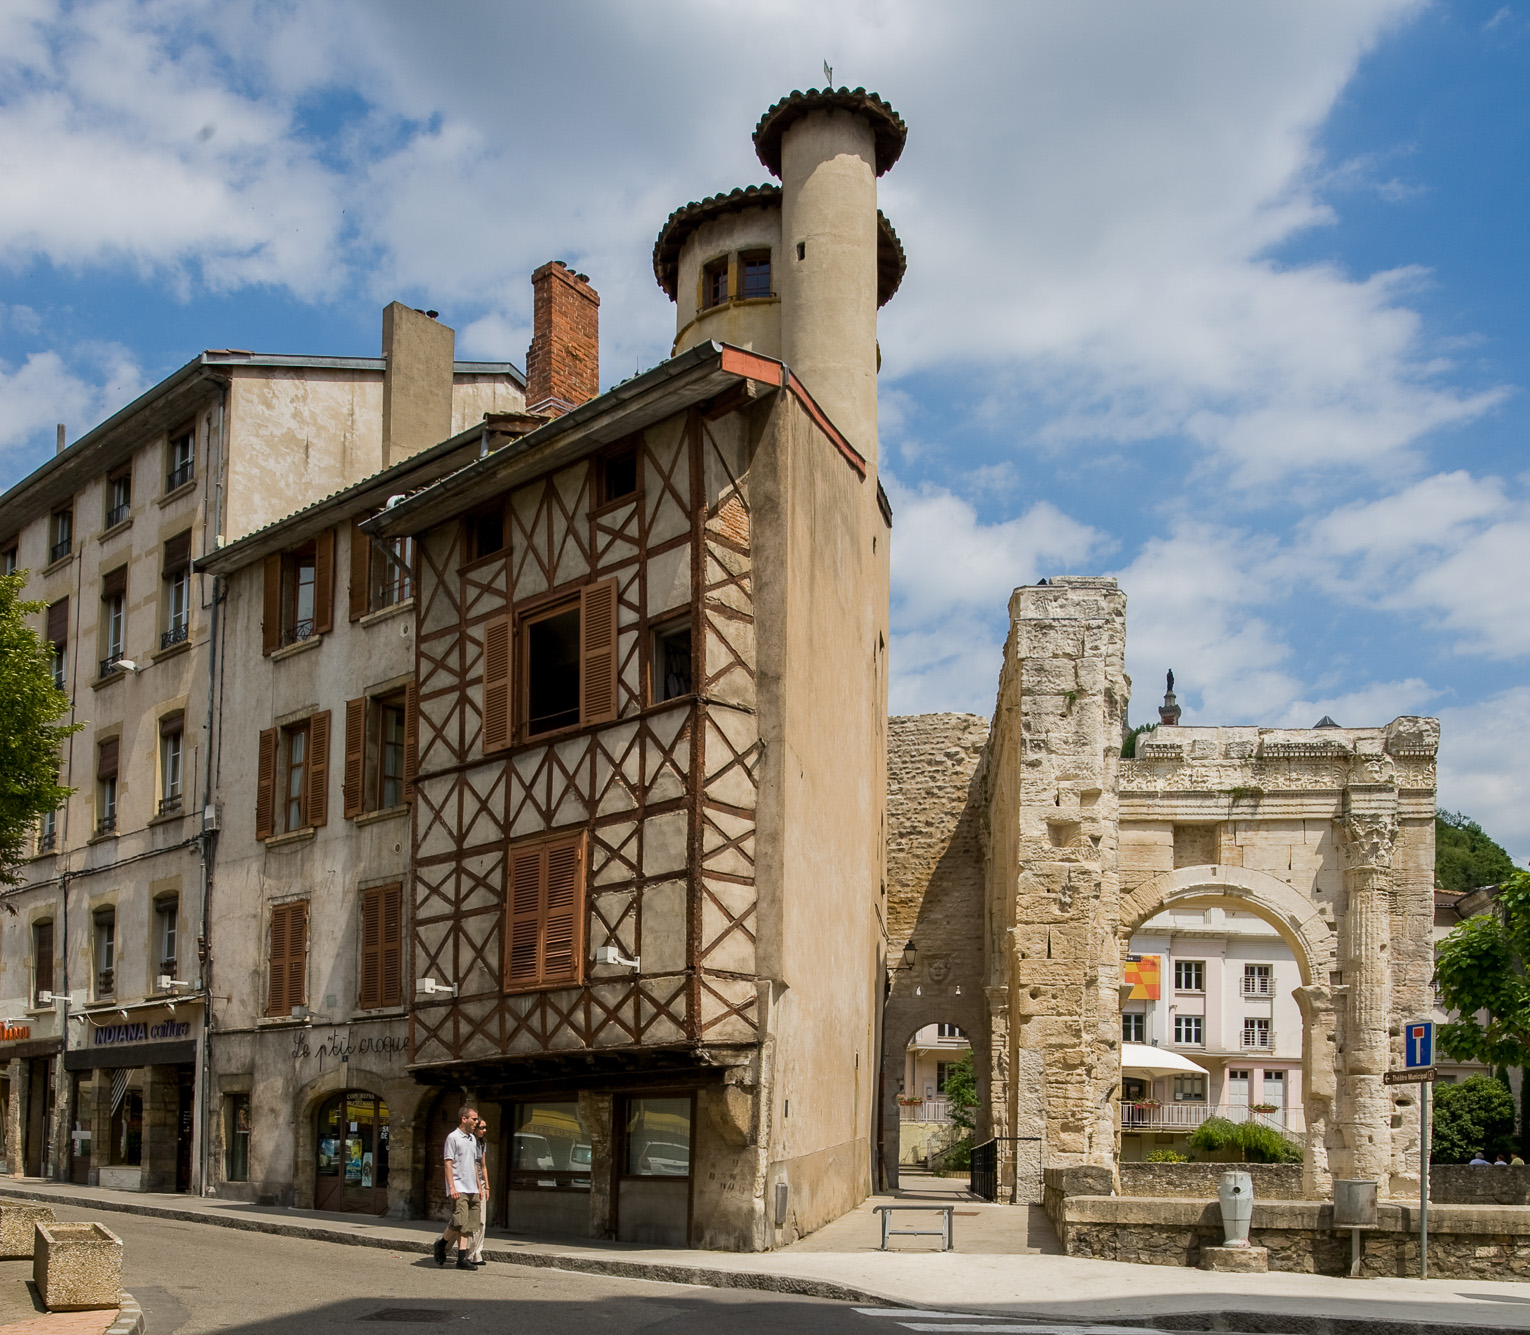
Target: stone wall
1461, 1184
1199, 1181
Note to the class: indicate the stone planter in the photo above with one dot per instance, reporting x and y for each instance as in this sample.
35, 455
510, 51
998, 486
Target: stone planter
77, 1267
18, 1220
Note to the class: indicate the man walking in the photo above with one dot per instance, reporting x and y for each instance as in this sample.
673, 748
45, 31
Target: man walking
464, 1178
475, 1244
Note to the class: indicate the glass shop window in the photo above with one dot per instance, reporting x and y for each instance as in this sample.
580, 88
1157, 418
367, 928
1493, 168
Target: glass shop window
658, 1135
237, 1147
550, 1148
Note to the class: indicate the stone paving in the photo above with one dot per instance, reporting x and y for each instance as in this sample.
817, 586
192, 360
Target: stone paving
22, 1312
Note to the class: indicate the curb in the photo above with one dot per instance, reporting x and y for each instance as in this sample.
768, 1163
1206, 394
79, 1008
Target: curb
1253, 1322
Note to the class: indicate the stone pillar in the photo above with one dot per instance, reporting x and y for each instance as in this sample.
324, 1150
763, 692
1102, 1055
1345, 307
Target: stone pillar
1364, 1108
16, 1117
161, 1126
595, 1114
1318, 1078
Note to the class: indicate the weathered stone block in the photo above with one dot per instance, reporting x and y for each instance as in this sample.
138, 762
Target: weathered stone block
18, 1222
77, 1267
1236, 1260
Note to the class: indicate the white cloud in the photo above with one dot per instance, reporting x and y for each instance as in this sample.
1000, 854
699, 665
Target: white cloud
1482, 769
45, 389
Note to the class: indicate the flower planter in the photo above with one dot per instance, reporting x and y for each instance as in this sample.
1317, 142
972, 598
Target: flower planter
18, 1220
77, 1267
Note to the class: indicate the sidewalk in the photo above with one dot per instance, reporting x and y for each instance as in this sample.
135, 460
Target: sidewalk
1005, 1263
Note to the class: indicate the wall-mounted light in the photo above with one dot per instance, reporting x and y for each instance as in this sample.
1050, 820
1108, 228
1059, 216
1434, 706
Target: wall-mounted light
429, 987
910, 954
613, 955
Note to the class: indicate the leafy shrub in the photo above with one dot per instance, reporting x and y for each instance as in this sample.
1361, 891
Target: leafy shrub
1254, 1142
955, 1158
1165, 1156
1476, 1114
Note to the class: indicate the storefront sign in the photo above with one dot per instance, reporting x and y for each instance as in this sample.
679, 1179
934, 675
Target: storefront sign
342, 1047
10, 1032
110, 1035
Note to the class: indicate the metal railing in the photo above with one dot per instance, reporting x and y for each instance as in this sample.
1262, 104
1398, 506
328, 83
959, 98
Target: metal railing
47, 841
60, 549
297, 632
112, 663
169, 804
925, 1110
179, 477
1258, 1040
1258, 986
983, 1172
175, 635
1186, 1116
117, 514
106, 983
107, 823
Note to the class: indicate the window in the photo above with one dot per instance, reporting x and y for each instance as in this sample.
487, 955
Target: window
1257, 1034
948, 1031
167, 915
180, 459
106, 952
486, 533
299, 593
618, 475
672, 662
1133, 1027
9, 560
288, 958
42, 959
176, 573
380, 572
236, 1164
381, 743
58, 637
552, 670
113, 619
292, 777
1274, 1088
942, 1074
550, 1149
658, 1137
1190, 1089
714, 283
1190, 975
47, 832
60, 535
172, 730
544, 940
1189, 1030
106, 785
755, 269
119, 497
382, 947
1258, 980
394, 579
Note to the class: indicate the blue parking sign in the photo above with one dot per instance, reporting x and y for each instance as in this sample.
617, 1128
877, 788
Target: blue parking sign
1418, 1043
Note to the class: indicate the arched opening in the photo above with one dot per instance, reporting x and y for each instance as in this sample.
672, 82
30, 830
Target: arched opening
1224, 1012
351, 1153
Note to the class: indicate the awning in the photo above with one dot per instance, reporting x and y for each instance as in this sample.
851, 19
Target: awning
1140, 1059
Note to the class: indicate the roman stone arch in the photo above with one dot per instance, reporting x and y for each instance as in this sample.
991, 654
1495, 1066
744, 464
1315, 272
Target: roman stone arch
904, 1018
1304, 929
402, 1097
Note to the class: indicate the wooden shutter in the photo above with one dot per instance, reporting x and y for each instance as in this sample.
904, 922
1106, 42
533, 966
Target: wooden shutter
354, 785
178, 552
392, 945
43, 964
318, 768
371, 949
106, 759
597, 649
114, 582
361, 572
58, 622
324, 582
411, 738
496, 684
544, 915
271, 626
288, 958
265, 784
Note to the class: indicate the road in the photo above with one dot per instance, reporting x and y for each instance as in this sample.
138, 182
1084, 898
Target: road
194, 1278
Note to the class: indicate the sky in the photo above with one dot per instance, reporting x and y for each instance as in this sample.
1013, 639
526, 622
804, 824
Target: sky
1227, 301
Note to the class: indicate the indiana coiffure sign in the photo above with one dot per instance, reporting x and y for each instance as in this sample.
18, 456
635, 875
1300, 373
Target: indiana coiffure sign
113, 1035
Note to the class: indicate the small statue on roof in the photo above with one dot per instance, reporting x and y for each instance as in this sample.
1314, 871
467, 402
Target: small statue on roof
1168, 712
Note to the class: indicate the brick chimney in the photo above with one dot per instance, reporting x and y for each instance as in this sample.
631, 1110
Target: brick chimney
563, 362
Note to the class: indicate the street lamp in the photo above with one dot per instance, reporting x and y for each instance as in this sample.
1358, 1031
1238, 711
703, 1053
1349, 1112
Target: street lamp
910, 954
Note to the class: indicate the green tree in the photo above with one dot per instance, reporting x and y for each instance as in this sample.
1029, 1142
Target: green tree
1480, 971
1129, 742
1476, 1114
961, 1092
30, 734
1464, 857
1255, 1142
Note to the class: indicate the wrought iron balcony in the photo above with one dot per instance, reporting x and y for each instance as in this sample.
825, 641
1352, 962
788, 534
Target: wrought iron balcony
60, 549
169, 805
117, 514
179, 477
107, 824
47, 841
106, 982
111, 664
175, 635
297, 632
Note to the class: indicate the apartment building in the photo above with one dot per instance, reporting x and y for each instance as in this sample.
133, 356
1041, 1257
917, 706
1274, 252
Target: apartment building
102, 970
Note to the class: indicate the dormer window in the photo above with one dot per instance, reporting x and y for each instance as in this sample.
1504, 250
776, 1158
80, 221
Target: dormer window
754, 268
714, 283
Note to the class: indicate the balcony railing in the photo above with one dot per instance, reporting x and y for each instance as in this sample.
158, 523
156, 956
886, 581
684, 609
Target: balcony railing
297, 632
117, 514
1258, 1040
106, 983
175, 635
112, 663
925, 1110
107, 824
1261, 986
167, 805
47, 841
60, 549
179, 477
1184, 1117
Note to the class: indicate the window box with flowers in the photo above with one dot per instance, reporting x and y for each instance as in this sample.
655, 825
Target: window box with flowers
909, 1100
1264, 1107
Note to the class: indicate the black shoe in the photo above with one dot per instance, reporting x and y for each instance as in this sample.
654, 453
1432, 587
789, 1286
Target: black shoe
440, 1251
463, 1263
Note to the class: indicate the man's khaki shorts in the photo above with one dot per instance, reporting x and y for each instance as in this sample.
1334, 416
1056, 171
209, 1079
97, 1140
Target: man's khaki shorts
465, 1214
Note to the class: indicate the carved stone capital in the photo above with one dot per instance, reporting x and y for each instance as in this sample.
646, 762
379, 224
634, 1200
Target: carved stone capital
1369, 840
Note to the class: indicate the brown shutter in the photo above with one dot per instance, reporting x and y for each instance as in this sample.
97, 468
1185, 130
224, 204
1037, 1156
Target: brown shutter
355, 757
561, 934
392, 985
178, 552
114, 582
411, 738
523, 915
318, 768
276, 997
172, 723
371, 949
361, 572
597, 648
297, 953
58, 622
271, 627
265, 785
43, 938
106, 759
496, 684
324, 582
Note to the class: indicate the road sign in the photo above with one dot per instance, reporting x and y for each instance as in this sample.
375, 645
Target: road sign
1418, 1044
1417, 1075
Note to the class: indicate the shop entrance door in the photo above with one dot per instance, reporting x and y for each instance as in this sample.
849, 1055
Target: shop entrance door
183, 1131
39, 1114
352, 1168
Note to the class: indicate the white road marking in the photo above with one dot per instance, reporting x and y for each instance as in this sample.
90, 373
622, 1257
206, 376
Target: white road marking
913, 1318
